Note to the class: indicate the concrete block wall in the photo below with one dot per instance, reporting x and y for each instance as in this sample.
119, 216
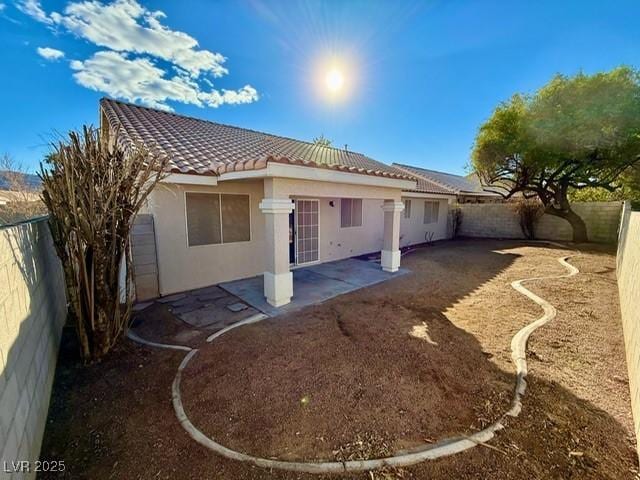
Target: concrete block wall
628, 272
32, 314
500, 220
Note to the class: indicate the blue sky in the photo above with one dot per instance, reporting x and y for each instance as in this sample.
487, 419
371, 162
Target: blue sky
420, 76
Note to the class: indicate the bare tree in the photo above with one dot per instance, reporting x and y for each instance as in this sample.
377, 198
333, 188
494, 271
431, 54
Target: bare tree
21, 199
93, 187
322, 141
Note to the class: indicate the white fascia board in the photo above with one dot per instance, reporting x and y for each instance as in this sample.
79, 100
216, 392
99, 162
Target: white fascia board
427, 195
319, 175
190, 179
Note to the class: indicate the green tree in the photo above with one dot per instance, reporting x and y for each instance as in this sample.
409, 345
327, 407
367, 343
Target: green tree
629, 190
322, 141
574, 133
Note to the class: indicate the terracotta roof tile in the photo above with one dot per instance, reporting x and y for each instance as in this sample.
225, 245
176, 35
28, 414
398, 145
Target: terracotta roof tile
432, 181
203, 147
424, 185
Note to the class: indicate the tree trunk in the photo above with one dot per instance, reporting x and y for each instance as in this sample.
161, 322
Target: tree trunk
576, 222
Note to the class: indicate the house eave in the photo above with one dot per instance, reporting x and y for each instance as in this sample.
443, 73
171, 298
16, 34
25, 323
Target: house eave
190, 179
414, 194
319, 175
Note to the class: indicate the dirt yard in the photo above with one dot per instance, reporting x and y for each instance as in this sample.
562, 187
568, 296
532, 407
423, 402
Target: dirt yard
386, 368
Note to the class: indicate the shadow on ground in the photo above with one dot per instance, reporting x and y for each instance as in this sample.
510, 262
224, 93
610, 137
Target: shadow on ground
368, 364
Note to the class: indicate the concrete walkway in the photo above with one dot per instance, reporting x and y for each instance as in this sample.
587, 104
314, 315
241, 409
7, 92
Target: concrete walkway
313, 284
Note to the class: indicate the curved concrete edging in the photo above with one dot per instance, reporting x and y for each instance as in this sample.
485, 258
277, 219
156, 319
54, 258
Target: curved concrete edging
419, 454
168, 346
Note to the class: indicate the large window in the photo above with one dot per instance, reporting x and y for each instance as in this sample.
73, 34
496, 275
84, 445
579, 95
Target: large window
407, 209
214, 218
431, 210
350, 212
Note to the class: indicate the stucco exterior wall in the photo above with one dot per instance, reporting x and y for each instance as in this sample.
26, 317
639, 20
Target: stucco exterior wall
32, 314
628, 272
414, 231
501, 221
290, 187
181, 267
337, 243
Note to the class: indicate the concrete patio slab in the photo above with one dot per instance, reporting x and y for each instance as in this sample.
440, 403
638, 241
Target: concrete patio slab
313, 284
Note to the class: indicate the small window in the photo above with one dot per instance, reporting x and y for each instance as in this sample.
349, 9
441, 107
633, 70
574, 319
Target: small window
203, 219
431, 210
213, 218
407, 209
350, 212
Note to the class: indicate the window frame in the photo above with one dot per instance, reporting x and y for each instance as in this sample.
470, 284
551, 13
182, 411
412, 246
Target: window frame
407, 211
222, 242
296, 211
351, 217
424, 216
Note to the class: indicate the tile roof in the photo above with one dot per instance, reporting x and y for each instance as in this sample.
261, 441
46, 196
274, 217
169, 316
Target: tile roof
432, 181
208, 148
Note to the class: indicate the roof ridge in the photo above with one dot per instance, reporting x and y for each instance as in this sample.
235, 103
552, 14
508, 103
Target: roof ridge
108, 99
432, 180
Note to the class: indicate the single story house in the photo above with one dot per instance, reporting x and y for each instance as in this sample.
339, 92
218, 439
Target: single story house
239, 203
465, 189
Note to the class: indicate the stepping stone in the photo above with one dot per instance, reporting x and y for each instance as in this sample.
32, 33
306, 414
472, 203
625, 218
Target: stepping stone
190, 307
201, 317
214, 295
237, 307
187, 300
138, 307
171, 298
206, 290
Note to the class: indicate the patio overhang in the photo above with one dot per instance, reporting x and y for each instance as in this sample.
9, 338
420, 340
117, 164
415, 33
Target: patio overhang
278, 203
298, 172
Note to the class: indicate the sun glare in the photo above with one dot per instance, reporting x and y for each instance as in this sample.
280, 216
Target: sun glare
334, 80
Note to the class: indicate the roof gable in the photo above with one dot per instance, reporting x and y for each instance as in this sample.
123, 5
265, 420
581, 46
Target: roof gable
203, 147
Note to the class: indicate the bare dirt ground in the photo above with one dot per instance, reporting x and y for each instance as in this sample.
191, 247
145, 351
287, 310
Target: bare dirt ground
404, 362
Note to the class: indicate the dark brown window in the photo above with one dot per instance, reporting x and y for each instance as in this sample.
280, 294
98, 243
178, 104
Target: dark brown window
235, 218
214, 218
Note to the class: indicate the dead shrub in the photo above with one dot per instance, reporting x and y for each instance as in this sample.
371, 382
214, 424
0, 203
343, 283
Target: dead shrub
529, 213
93, 188
456, 221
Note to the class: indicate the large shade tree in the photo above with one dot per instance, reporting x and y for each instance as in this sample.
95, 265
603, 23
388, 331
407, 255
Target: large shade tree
574, 133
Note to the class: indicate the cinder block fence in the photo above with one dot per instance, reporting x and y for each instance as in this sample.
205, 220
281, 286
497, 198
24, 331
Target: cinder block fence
500, 220
32, 314
628, 272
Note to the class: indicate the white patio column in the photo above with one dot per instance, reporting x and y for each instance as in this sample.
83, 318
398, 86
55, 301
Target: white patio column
390, 256
278, 280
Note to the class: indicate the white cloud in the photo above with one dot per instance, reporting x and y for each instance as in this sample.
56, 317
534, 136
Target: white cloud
126, 26
50, 53
34, 9
2, 7
136, 40
139, 80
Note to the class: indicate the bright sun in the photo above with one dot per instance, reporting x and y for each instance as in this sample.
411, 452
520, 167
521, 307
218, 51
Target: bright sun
334, 80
